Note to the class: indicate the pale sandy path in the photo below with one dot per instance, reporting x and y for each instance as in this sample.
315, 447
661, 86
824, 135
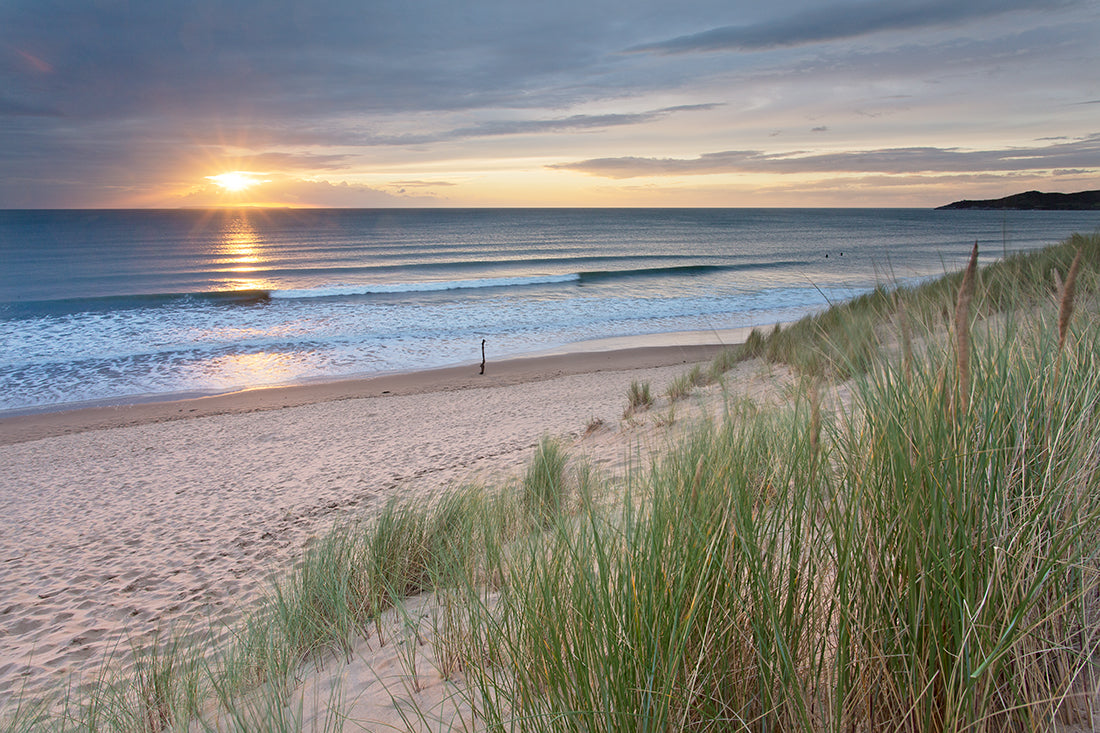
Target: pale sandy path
106, 534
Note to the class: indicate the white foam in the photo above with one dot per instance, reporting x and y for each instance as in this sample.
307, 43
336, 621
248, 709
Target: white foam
209, 348
332, 291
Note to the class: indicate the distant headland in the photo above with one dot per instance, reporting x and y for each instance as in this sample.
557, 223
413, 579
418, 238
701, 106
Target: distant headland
1034, 200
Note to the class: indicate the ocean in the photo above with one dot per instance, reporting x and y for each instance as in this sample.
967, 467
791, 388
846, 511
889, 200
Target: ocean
117, 306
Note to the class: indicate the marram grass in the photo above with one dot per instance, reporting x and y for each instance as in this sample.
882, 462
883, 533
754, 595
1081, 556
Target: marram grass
935, 574
543, 486
901, 565
940, 572
847, 338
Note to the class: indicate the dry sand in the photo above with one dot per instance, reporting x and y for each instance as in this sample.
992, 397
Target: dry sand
118, 521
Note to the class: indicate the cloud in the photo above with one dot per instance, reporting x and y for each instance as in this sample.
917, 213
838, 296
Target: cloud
423, 184
1085, 152
17, 108
280, 161
574, 122
34, 62
504, 128
836, 22
300, 192
253, 58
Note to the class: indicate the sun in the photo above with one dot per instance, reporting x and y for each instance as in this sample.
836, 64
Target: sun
235, 181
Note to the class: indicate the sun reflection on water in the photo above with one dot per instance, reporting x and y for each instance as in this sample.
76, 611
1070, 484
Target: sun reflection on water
240, 252
260, 368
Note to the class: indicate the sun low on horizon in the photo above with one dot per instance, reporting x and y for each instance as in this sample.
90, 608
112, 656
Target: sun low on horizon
836, 103
236, 181
235, 187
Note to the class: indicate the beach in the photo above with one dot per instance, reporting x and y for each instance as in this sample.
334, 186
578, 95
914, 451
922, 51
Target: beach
208, 521
120, 521
168, 455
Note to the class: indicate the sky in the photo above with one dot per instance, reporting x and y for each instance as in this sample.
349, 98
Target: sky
366, 103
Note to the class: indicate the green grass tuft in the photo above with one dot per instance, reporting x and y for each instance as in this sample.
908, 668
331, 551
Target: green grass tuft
543, 486
638, 398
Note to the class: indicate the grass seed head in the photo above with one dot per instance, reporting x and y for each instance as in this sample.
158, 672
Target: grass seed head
1065, 304
962, 332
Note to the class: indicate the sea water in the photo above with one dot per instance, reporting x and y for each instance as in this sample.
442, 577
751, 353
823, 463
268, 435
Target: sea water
121, 305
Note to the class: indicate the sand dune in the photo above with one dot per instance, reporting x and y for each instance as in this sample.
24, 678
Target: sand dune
117, 522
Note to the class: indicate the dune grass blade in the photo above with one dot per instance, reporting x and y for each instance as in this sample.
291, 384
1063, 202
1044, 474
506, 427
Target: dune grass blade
725, 360
845, 340
962, 335
639, 397
636, 621
1065, 302
544, 483
972, 581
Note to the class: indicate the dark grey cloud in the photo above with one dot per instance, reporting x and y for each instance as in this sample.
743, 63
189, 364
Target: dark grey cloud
108, 96
842, 21
16, 108
1078, 153
291, 161
499, 128
116, 58
239, 62
573, 122
353, 135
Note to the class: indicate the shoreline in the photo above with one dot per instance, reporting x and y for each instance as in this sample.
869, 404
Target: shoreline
612, 354
178, 525
144, 519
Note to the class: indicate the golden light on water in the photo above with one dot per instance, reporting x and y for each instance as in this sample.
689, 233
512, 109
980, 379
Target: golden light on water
265, 367
240, 252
